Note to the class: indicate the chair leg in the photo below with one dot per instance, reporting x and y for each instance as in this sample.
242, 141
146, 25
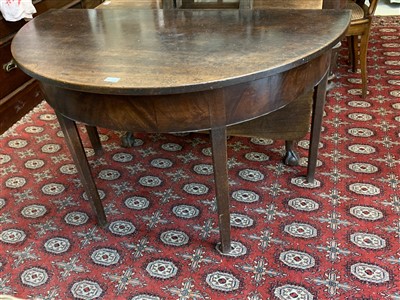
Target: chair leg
363, 63
356, 52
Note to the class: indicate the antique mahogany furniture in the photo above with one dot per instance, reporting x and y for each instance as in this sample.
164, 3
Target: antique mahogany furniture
291, 123
139, 70
254, 4
18, 92
358, 36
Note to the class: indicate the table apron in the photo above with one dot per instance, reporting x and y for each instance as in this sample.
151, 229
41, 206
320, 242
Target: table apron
188, 111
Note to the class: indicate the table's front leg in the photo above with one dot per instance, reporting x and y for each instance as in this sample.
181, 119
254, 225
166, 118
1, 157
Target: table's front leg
75, 146
218, 141
316, 125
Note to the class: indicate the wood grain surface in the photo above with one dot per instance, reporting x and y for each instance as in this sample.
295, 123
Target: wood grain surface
290, 4
146, 51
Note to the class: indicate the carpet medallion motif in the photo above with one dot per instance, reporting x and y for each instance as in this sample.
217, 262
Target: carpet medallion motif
338, 238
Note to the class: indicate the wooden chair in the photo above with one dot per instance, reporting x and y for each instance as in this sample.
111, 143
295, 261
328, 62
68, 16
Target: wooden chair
358, 36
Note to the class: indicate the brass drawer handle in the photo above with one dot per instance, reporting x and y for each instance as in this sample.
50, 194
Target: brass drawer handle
10, 66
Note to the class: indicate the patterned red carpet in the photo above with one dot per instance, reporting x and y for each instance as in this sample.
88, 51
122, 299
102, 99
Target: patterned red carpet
336, 239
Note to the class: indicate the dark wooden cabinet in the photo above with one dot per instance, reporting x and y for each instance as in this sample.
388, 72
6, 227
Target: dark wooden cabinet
18, 92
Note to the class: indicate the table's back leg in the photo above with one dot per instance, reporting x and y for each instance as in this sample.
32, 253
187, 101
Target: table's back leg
219, 144
75, 146
316, 123
128, 140
291, 157
94, 138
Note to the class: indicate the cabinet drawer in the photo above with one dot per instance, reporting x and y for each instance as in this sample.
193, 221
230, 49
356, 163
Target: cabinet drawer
17, 104
11, 79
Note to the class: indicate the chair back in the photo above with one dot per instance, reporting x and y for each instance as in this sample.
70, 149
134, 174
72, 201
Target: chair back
372, 7
369, 10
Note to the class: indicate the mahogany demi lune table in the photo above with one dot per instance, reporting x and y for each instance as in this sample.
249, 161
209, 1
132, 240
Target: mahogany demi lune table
174, 71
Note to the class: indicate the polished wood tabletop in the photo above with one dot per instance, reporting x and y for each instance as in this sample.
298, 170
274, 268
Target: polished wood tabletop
255, 4
170, 51
218, 4
177, 70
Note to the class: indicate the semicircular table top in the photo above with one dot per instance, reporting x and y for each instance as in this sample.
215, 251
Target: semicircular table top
140, 52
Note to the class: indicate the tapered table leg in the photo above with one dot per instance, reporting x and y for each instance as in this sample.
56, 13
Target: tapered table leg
75, 146
316, 123
218, 140
94, 138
